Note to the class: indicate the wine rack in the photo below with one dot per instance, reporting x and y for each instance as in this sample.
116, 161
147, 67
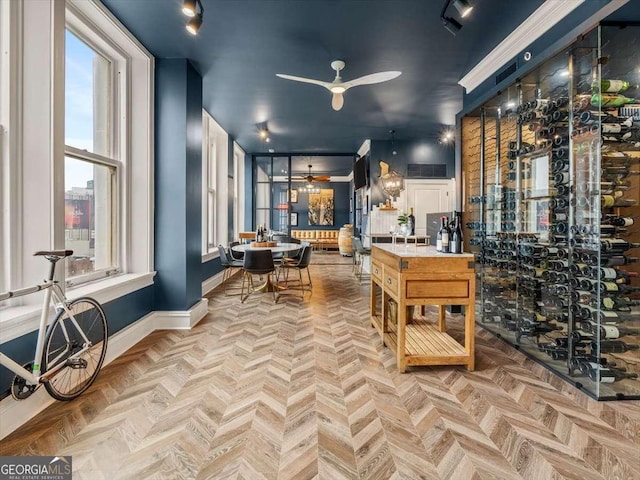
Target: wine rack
552, 214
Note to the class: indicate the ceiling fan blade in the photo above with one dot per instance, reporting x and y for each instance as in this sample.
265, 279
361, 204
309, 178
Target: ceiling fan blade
326, 85
337, 101
322, 178
373, 78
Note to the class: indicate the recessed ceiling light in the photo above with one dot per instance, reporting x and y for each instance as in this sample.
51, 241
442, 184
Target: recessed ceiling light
564, 73
271, 150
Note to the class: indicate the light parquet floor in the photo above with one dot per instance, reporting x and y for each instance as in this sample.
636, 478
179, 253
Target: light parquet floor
305, 390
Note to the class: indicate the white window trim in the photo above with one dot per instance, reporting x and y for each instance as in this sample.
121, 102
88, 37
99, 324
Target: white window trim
27, 59
238, 189
215, 139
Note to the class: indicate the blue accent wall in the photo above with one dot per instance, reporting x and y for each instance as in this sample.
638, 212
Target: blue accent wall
407, 151
341, 194
178, 185
210, 268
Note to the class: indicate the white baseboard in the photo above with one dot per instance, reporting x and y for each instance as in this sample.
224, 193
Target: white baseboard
14, 413
212, 282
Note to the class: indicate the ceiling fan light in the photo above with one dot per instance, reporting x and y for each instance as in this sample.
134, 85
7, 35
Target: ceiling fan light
189, 8
194, 24
338, 89
463, 7
451, 24
337, 101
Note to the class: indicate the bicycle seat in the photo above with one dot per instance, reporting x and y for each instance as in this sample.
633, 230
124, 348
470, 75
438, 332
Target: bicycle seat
53, 253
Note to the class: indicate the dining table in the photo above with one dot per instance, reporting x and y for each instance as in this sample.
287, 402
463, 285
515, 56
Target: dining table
279, 248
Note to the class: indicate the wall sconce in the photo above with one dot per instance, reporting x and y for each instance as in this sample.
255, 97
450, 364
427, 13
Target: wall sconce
392, 181
189, 8
464, 8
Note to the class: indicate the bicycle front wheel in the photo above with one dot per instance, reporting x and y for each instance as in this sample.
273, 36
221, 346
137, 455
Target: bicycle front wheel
76, 349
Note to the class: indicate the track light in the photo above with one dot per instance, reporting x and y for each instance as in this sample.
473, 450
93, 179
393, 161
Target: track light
189, 8
451, 24
194, 24
463, 7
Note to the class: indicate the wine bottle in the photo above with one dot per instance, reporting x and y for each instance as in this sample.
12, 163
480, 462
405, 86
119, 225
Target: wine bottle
456, 234
610, 331
584, 363
617, 245
613, 346
411, 221
619, 221
446, 235
611, 100
609, 201
610, 86
617, 303
611, 274
609, 375
440, 234
614, 287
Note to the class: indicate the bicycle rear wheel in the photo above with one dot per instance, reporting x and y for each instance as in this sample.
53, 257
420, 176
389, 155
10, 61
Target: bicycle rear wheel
64, 342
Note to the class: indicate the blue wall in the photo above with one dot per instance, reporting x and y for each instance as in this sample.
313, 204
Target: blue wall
341, 193
407, 151
178, 185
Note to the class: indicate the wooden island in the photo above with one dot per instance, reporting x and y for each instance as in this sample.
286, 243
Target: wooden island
416, 277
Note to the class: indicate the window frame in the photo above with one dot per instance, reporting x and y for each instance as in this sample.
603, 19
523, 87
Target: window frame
33, 172
118, 99
215, 166
116, 167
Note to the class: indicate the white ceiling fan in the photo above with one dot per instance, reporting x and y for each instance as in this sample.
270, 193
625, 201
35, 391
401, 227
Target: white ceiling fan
338, 87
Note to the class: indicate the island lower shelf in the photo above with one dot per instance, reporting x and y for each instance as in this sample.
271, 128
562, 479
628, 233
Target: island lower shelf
424, 344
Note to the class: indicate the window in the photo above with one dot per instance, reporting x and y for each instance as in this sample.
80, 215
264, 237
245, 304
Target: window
91, 169
238, 189
4, 95
67, 177
214, 184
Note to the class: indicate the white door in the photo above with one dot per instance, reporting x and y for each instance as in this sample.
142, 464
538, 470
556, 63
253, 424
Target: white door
428, 196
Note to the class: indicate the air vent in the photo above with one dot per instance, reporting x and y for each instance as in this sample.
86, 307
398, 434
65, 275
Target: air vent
421, 170
506, 72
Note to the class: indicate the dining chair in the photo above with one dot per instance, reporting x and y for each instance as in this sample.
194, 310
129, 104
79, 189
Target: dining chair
301, 264
360, 253
257, 262
232, 253
228, 263
298, 253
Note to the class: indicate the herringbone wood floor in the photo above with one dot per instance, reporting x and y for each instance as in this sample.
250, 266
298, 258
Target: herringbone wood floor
305, 390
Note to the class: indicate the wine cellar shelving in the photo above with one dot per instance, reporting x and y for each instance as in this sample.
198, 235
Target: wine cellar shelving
551, 172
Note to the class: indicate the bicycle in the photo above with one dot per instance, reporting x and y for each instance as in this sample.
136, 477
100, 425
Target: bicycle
70, 350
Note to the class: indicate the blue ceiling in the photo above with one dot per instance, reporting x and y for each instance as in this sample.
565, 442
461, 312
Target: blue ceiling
243, 43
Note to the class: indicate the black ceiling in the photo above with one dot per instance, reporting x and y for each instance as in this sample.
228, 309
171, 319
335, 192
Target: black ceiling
243, 43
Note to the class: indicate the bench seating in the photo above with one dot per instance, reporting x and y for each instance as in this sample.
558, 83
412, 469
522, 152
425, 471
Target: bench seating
319, 239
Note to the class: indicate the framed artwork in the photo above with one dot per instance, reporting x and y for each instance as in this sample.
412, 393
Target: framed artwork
294, 196
321, 207
294, 219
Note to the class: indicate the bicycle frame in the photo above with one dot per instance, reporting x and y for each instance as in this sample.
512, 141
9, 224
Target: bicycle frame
52, 289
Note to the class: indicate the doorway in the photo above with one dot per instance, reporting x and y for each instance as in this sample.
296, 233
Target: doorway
427, 196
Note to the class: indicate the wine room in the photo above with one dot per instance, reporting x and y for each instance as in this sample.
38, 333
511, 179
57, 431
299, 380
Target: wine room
551, 183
